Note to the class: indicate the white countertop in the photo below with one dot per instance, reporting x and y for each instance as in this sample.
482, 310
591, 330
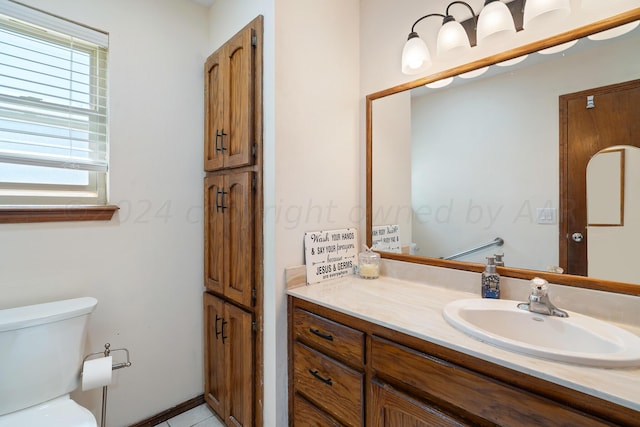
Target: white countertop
416, 309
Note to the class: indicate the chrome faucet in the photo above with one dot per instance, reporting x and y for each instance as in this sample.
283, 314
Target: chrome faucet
539, 301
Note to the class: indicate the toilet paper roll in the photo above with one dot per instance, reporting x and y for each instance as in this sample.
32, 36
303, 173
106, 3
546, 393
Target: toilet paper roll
96, 372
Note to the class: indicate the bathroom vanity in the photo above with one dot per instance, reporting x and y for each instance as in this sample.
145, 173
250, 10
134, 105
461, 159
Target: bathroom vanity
379, 353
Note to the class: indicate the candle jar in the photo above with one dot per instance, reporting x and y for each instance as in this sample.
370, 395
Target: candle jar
369, 265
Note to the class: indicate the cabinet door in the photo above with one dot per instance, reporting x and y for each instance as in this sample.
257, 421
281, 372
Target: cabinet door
229, 241
238, 346
238, 144
239, 253
390, 408
229, 103
214, 244
215, 76
214, 354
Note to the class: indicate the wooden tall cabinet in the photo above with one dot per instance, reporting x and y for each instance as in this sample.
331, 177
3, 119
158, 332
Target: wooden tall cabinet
233, 245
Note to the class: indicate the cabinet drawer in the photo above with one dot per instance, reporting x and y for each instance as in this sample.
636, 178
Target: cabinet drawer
479, 395
341, 342
330, 385
307, 415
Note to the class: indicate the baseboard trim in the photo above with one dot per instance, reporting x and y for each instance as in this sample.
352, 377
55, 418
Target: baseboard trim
170, 413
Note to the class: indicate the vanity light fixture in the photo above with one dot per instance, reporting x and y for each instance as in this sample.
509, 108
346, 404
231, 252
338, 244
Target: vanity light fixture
494, 24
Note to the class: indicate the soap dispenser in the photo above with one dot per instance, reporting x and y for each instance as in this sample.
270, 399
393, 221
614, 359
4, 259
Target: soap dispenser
490, 280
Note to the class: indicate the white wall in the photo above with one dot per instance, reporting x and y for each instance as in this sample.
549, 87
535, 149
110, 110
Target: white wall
317, 152
145, 266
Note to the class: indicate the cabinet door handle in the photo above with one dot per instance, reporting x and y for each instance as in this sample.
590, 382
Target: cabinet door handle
327, 381
327, 337
217, 331
220, 146
220, 200
224, 337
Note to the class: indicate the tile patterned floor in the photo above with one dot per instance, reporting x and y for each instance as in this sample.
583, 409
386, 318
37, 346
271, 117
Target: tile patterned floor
200, 416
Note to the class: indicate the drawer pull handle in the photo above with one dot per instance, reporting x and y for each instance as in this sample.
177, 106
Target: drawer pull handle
324, 380
321, 335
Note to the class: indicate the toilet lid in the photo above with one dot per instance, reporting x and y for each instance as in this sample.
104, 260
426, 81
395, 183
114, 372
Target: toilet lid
59, 412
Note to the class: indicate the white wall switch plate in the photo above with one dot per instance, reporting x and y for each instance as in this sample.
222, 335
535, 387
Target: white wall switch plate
546, 215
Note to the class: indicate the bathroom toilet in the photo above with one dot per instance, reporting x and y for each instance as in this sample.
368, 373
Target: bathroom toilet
41, 352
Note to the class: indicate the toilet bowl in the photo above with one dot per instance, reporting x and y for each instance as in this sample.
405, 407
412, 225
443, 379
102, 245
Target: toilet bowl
41, 352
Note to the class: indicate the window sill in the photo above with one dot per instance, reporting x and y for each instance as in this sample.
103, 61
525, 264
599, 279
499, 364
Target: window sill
24, 214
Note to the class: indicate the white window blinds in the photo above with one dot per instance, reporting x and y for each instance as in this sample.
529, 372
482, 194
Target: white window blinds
53, 91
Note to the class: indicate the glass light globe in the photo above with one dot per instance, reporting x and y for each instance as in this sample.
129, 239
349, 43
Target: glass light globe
614, 32
540, 13
452, 40
558, 48
415, 55
474, 73
440, 83
494, 23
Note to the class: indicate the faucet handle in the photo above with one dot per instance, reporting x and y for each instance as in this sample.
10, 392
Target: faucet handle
539, 287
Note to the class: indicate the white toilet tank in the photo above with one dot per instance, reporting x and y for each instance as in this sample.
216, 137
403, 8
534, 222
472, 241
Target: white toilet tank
41, 351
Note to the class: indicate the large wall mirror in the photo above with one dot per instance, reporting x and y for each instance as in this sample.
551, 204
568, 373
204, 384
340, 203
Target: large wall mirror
485, 165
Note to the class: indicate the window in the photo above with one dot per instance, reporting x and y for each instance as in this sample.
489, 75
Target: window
53, 110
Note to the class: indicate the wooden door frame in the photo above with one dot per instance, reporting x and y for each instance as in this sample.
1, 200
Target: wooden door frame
563, 233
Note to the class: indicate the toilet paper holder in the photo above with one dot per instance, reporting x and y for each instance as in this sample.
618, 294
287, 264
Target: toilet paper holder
106, 353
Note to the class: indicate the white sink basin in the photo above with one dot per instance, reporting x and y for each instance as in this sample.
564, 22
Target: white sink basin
575, 339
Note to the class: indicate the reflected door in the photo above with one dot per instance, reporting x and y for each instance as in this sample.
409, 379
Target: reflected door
590, 121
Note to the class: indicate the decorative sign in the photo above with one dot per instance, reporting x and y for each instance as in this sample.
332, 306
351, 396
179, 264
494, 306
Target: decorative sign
386, 238
330, 254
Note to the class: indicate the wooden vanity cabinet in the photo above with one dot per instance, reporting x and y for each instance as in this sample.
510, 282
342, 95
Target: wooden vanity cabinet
410, 382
